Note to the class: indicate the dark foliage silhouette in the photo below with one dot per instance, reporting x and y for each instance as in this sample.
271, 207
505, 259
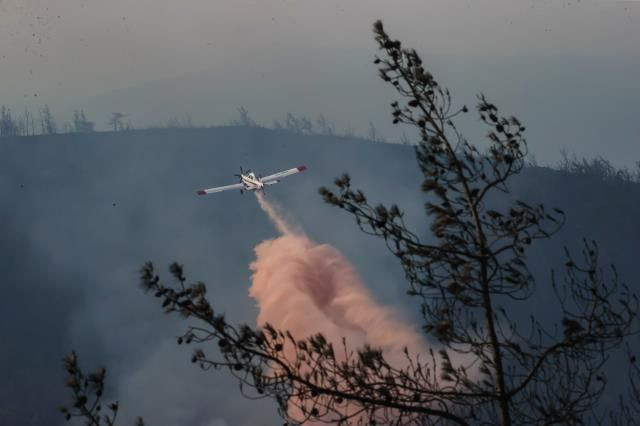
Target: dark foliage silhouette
87, 393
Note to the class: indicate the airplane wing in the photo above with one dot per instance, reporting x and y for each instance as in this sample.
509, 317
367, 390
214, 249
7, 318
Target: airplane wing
220, 189
284, 173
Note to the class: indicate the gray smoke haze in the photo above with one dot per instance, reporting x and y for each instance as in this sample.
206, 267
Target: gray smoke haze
81, 213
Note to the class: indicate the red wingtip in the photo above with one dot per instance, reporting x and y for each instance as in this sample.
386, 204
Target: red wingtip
202, 193
302, 168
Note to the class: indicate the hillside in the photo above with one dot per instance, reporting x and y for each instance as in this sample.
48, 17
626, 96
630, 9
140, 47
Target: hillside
82, 212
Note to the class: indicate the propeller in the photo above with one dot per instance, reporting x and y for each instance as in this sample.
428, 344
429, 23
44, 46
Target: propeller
239, 176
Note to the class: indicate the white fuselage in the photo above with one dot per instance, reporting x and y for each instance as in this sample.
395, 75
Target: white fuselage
251, 182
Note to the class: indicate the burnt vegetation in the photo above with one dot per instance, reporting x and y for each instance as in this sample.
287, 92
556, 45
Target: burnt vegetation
470, 276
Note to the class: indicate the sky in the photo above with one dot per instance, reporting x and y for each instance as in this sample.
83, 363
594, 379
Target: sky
157, 60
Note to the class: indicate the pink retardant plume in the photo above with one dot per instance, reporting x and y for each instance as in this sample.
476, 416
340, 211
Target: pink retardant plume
309, 288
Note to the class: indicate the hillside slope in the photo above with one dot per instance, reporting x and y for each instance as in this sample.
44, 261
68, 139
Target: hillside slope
81, 213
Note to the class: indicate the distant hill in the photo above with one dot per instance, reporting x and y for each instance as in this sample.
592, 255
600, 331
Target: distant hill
82, 212
525, 85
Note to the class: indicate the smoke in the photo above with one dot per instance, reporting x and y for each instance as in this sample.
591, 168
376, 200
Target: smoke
308, 288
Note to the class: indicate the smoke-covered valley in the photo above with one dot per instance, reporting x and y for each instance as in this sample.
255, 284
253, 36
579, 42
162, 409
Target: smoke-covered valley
82, 212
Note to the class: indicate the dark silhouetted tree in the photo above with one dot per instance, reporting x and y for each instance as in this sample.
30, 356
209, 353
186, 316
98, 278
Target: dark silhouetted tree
306, 126
325, 127
8, 127
244, 119
24, 124
48, 124
470, 276
373, 134
293, 124
81, 124
29, 122
87, 392
116, 121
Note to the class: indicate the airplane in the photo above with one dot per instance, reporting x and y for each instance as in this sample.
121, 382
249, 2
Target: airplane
249, 181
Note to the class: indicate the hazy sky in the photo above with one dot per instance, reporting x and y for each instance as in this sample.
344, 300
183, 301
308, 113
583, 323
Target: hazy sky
69, 53
117, 43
